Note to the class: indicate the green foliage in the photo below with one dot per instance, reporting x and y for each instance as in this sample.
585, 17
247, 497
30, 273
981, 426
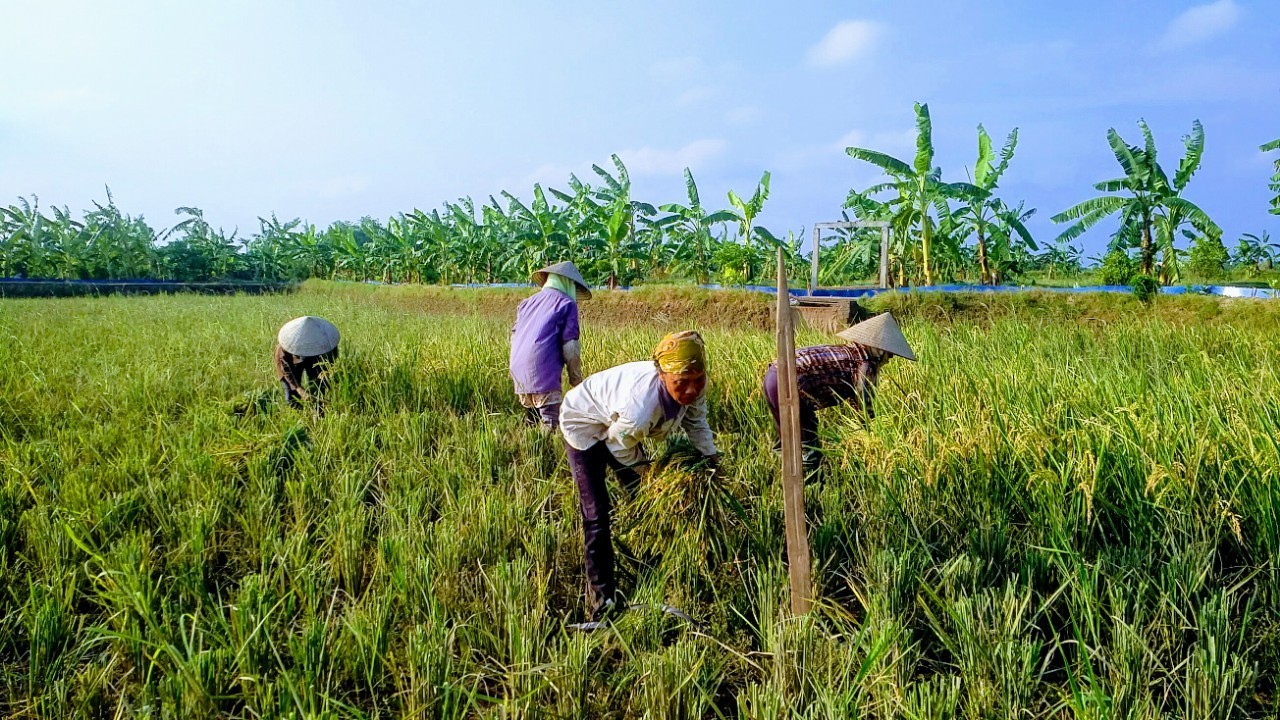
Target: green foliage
1153, 211
999, 232
614, 238
1275, 179
1145, 287
1254, 253
920, 206
1117, 268
1208, 257
106, 245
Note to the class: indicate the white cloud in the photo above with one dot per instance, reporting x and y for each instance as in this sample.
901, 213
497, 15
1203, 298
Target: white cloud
846, 41
1198, 24
661, 161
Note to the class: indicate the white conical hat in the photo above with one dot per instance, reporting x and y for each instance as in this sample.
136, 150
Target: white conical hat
564, 269
880, 332
308, 336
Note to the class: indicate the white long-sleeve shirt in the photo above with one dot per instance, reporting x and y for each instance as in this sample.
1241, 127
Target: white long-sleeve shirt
622, 406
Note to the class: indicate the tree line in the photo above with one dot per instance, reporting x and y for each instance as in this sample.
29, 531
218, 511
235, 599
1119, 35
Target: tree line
942, 230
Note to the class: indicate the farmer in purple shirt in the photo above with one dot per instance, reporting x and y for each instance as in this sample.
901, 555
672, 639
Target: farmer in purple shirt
544, 342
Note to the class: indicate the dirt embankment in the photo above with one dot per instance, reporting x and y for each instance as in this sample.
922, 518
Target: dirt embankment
660, 305
676, 306
1039, 305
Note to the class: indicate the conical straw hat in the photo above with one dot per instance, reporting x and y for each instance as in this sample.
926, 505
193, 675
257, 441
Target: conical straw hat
880, 332
564, 269
308, 336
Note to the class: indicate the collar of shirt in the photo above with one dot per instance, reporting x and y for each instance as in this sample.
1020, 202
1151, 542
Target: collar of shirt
670, 408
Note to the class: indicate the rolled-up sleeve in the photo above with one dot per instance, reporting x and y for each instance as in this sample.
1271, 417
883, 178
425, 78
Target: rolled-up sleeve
696, 427
569, 331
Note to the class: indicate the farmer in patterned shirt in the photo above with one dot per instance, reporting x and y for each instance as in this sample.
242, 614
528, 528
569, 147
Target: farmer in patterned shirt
544, 343
305, 349
828, 375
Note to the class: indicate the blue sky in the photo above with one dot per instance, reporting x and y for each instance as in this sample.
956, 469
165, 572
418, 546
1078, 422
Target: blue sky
329, 110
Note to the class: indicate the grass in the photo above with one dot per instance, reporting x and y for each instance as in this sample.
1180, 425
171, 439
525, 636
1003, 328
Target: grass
1053, 515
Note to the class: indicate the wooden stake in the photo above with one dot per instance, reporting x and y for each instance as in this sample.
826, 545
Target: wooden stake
792, 470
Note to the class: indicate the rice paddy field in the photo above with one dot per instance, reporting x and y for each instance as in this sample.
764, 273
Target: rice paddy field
1069, 508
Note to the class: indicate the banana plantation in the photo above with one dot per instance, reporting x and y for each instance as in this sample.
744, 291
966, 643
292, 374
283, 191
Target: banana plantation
942, 230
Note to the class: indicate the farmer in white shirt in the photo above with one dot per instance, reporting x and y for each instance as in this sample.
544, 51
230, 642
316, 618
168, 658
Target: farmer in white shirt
604, 421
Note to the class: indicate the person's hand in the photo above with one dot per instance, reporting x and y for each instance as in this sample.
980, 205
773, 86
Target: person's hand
712, 461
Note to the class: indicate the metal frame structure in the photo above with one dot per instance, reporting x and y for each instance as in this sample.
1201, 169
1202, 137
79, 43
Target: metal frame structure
851, 224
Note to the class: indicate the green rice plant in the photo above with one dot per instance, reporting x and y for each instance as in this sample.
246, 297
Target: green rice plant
1066, 508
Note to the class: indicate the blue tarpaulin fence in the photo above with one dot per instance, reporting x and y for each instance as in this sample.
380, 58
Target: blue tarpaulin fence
1220, 290
866, 292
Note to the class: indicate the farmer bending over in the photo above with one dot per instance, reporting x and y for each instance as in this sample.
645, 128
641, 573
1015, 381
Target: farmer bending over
305, 348
544, 342
828, 375
605, 420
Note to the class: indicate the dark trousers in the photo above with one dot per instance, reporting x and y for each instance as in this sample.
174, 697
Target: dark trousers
290, 396
589, 473
808, 414
548, 415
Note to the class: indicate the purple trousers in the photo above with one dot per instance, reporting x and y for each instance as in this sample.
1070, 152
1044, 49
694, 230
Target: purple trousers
589, 474
548, 415
808, 413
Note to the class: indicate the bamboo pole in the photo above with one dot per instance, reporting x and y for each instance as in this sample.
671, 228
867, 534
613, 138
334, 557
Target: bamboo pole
789, 429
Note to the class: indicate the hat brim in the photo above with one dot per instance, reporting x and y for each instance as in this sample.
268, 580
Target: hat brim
881, 334
540, 279
308, 339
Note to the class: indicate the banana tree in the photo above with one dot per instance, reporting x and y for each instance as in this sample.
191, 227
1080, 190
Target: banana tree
1010, 241
980, 205
473, 249
619, 250
855, 253
541, 230
1275, 179
117, 245
1254, 252
746, 212
865, 207
24, 251
615, 192
201, 253
1060, 257
65, 245
694, 225
1154, 207
583, 219
1174, 211
919, 189
651, 236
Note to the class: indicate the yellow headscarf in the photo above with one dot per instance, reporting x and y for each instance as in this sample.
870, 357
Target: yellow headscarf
681, 352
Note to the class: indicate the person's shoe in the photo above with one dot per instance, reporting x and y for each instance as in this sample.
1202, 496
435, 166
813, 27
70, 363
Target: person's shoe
608, 611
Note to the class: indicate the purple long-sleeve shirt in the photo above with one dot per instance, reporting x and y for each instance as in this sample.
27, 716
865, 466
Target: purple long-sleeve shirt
544, 323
